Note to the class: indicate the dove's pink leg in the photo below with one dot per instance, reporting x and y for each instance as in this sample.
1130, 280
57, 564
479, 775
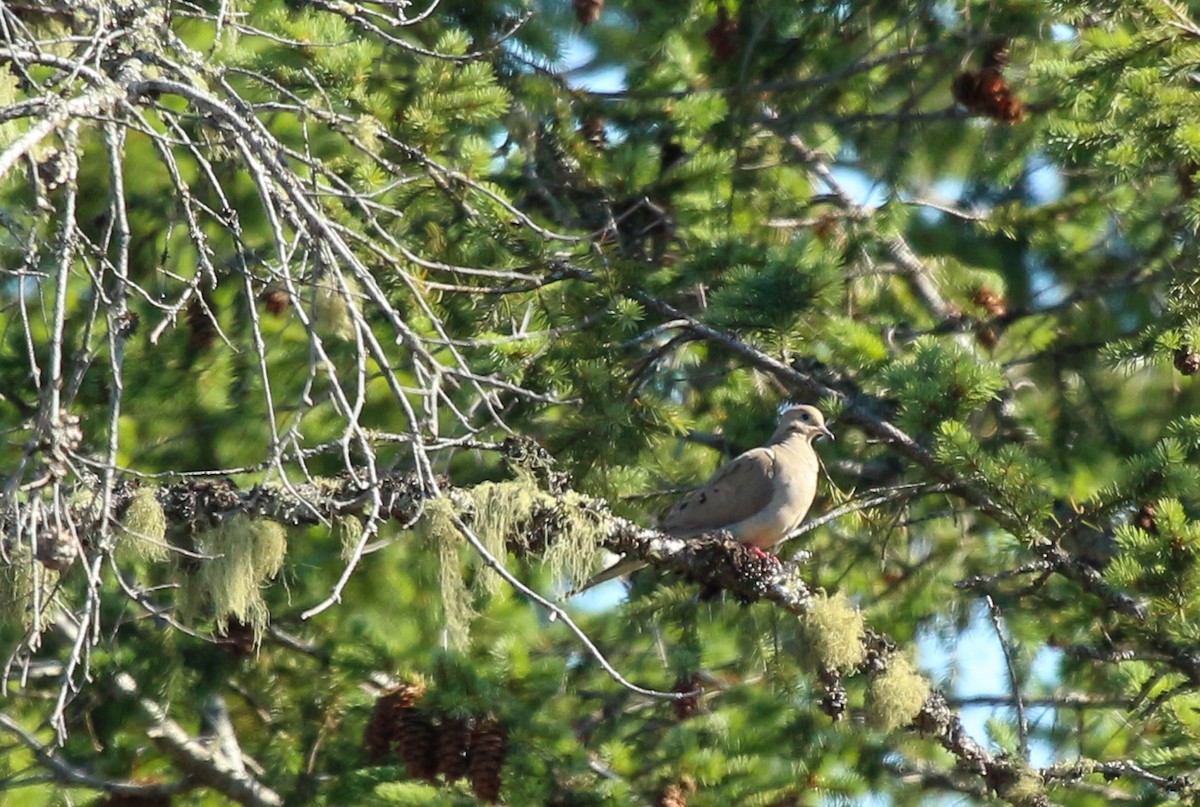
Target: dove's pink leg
764, 555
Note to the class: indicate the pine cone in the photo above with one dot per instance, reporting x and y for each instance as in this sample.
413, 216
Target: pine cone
453, 744
275, 300
723, 36
836, 700
237, 638
828, 230
592, 130
675, 794
489, 747
57, 549
986, 336
985, 92
686, 707
69, 433
127, 323
202, 332
1144, 519
587, 11
383, 729
990, 301
418, 743
1010, 110
1187, 361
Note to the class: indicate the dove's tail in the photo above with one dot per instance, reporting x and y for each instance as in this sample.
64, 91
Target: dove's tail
623, 566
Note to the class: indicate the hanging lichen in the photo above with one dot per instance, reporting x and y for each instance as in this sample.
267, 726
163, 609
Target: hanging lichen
331, 311
143, 530
20, 578
518, 512
833, 632
894, 698
572, 551
241, 554
505, 514
1028, 790
499, 507
349, 531
441, 535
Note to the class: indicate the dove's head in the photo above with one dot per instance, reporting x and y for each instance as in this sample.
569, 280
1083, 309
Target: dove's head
805, 421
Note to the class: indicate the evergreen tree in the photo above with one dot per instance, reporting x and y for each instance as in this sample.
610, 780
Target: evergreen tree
341, 339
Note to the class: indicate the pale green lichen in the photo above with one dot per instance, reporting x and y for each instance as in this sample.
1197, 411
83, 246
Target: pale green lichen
143, 530
564, 530
502, 514
500, 508
573, 552
331, 309
241, 555
25, 587
1028, 790
895, 698
441, 534
833, 630
349, 531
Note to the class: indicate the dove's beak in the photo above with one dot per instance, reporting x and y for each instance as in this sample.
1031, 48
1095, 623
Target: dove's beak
824, 432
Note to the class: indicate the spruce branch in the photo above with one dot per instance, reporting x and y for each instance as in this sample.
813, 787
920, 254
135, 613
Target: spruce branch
205, 763
71, 775
717, 561
863, 411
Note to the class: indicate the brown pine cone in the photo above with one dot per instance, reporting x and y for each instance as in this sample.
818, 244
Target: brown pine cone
587, 11
1144, 519
383, 729
1187, 361
686, 707
986, 336
990, 301
202, 331
1009, 109
418, 744
453, 744
57, 549
275, 300
676, 793
985, 92
489, 747
723, 36
237, 638
592, 131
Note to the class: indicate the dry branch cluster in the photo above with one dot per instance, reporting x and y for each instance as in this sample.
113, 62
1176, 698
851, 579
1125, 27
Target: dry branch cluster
113, 92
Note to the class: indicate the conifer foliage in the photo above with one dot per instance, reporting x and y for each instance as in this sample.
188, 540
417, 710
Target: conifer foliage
341, 339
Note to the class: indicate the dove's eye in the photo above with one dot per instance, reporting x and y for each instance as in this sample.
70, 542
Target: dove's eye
805, 417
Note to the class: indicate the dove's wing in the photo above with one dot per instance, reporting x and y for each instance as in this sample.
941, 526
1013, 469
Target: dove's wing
740, 488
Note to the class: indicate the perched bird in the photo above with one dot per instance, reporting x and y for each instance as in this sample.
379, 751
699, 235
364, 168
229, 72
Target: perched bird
758, 497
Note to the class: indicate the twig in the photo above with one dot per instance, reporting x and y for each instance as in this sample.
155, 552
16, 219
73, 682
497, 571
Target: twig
1013, 680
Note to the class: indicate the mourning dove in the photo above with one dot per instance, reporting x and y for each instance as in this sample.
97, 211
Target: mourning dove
758, 497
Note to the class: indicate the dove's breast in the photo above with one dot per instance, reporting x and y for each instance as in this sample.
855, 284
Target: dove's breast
795, 487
